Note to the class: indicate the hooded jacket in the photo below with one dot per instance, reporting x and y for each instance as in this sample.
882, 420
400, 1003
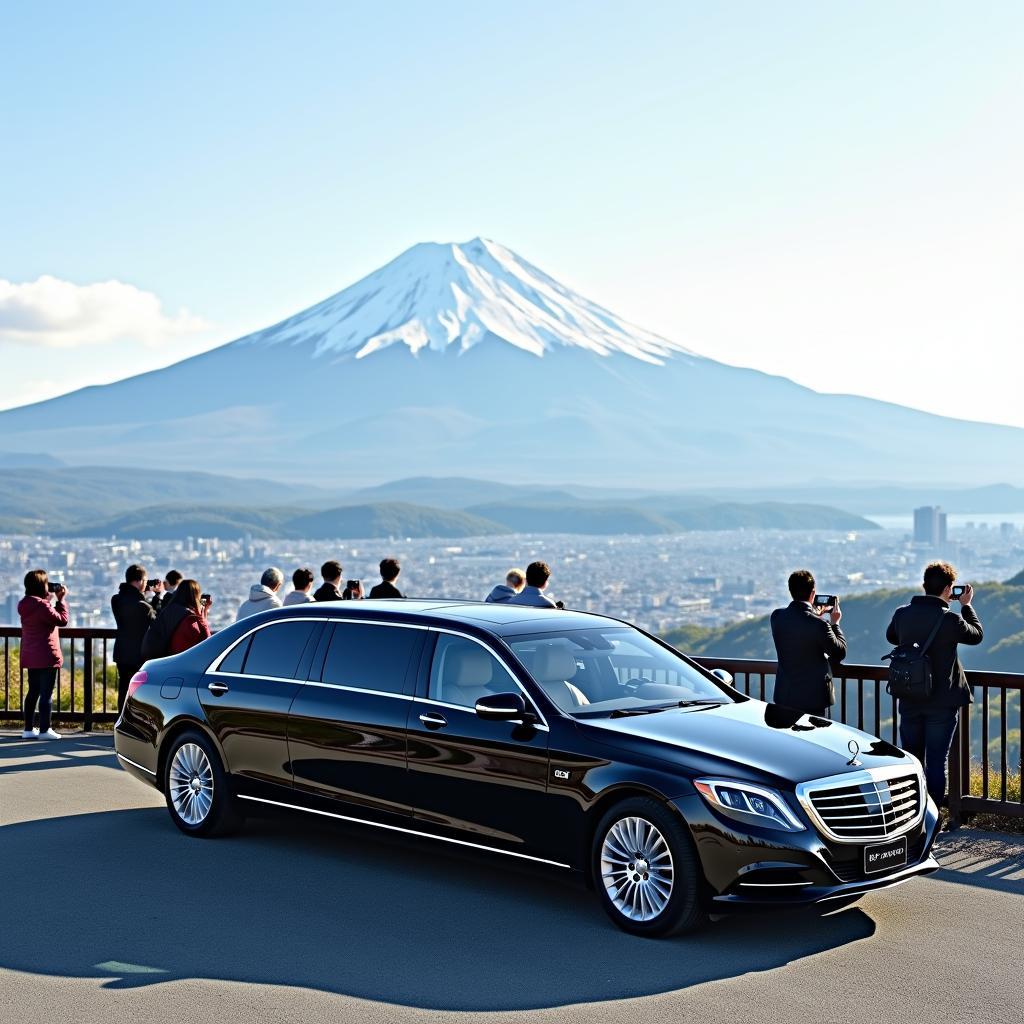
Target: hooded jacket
533, 597
133, 615
261, 599
501, 594
40, 641
298, 597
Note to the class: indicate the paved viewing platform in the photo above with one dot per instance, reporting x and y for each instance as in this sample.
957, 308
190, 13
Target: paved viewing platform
111, 915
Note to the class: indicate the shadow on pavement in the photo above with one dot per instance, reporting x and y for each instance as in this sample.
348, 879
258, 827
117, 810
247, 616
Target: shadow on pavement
21, 755
293, 901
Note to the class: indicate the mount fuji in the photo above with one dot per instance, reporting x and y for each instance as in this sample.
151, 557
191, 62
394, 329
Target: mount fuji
466, 360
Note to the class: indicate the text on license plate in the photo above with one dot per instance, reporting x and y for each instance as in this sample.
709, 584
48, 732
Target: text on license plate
884, 856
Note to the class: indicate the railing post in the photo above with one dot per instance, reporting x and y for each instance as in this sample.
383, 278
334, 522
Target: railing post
956, 777
87, 680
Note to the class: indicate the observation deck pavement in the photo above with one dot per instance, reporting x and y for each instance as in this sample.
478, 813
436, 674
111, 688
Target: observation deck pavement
109, 915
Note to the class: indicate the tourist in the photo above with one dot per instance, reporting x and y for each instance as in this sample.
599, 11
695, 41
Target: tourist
133, 615
532, 594
389, 570
806, 645
164, 591
40, 648
192, 626
302, 581
515, 579
262, 595
330, 589
927, 726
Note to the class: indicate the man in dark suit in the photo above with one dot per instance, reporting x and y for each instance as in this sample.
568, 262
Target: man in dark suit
806, 644
330, 589
133, 615
389, 570
927, 726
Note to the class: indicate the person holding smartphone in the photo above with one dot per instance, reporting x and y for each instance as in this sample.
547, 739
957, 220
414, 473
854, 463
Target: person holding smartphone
927, 726
42, 610
808, 640
190, 607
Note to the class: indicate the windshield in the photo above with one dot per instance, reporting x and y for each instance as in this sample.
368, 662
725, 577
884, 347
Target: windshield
612, 669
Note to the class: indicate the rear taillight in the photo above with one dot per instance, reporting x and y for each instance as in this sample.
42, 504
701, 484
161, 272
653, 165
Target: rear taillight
136, 681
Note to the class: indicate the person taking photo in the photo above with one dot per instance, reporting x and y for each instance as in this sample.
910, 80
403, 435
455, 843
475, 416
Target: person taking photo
133, 615
927, 726
42, 611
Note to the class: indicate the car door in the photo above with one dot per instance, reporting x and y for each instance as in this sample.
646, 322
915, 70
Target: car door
347, 728
247, 695
485, 780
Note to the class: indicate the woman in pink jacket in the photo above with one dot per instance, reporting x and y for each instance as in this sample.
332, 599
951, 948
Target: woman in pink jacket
40, 648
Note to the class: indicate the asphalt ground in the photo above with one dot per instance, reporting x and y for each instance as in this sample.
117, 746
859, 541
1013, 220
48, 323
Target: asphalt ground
110, 915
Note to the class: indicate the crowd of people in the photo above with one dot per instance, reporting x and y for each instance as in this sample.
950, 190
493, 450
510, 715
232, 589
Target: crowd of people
160, 617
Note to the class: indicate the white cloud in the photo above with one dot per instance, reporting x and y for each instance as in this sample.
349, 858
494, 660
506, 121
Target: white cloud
52, 313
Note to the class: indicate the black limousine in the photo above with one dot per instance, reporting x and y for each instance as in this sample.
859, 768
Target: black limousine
566, 738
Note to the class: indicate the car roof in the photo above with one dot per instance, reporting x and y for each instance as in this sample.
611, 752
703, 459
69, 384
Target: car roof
502, 619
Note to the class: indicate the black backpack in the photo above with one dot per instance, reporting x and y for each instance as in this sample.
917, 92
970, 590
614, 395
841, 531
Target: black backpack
910, 671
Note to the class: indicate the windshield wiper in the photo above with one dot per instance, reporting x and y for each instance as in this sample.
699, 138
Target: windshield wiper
653, 708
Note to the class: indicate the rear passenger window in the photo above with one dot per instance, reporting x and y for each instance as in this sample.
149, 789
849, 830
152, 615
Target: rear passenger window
370, 657
462, 672
236, 657
276, 650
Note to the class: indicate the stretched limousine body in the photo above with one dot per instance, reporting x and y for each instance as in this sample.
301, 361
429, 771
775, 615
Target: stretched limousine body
561, 737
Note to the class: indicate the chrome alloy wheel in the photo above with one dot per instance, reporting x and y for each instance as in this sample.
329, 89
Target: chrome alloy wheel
191, 783
636, 868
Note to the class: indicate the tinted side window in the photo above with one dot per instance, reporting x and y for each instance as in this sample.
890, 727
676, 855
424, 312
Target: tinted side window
276, 650
236, 657
462, 672
370, 657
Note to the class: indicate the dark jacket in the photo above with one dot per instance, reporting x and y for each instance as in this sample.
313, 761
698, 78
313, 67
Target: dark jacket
40, 641
327, 592
806, 644
385, 589
133, 615
157, 641
913, 622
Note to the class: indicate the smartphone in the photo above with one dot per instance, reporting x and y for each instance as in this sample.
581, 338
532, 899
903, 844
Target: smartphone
959, 592
825, 601
150, 584
52, 588
352, 585
205, 598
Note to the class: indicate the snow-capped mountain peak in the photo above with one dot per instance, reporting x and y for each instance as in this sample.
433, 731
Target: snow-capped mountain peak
438, 295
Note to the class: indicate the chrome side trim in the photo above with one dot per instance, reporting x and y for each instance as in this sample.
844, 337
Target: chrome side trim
135, 764
865, 776
773, 885
406, 831
214, 665
354, 689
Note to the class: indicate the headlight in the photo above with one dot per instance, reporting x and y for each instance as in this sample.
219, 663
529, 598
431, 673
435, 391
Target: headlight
753, 805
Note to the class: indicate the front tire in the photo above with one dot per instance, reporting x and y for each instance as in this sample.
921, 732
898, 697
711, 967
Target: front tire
197, 789
646, 870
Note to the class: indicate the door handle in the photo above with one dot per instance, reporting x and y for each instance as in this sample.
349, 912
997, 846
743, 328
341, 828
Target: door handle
432, 720
218, 689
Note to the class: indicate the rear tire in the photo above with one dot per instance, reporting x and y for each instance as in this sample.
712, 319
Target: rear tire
198, 790
646, 871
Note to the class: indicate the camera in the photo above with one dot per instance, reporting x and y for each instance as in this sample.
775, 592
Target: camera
53, 586
825, 601
151, 584
959, 591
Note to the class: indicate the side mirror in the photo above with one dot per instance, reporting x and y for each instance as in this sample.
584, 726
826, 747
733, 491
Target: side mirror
720, 673
501, 707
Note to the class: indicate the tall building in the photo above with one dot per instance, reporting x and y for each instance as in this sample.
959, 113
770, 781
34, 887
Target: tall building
929, 526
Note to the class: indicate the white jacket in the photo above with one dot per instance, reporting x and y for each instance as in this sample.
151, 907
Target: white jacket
298, 597
261, 599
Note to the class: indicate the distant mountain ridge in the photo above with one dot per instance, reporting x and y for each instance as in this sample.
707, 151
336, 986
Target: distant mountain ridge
466, 360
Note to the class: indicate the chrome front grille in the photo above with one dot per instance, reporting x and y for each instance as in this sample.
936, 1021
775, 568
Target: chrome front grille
865, 806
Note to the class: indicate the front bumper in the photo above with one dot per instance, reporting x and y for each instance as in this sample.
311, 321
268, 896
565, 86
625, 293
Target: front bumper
762, 867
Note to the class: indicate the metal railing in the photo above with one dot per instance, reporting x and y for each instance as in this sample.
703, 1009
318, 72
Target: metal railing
980, 766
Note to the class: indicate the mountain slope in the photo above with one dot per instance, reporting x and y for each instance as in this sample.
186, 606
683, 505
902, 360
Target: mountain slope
464, 360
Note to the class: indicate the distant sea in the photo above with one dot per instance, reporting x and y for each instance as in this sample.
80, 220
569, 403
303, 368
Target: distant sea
955, 521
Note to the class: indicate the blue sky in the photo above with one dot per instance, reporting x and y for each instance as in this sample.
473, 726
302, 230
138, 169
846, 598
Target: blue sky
829, 191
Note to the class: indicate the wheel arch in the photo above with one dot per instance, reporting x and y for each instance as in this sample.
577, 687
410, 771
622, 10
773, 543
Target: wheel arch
172, 732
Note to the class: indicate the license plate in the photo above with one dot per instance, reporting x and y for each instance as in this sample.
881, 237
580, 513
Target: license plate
885, 856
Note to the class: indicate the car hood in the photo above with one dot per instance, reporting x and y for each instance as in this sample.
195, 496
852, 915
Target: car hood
769, 739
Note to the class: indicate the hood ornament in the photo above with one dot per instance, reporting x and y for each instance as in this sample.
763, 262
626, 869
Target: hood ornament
854, 748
